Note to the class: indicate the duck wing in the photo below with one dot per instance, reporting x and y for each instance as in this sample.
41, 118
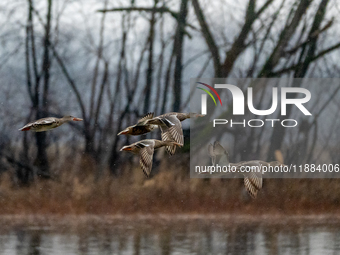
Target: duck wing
45, 121
146, 156
253, 183
171, 131
140, 129
41, 124
252, 180
143, 120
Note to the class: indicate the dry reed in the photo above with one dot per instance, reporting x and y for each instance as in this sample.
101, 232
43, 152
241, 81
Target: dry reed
78, 190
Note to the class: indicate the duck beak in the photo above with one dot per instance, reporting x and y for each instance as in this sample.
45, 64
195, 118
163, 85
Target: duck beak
25, 129
124, 132
126, 148
77, 119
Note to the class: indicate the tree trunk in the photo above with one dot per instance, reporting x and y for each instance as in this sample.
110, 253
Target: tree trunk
149, 70
179, 54
42, 109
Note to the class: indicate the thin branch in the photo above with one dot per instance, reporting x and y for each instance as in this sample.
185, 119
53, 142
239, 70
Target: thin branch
264, 39
297, 66
239, 44
192, 91
312, 36
293, 21
162, 9
70, 81
263, 8
209, 39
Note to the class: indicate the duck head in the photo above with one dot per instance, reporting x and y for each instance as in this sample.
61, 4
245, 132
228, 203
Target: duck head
126, 148
126, 131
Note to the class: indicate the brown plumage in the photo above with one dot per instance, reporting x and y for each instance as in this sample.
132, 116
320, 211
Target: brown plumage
145, 148
252, 180
171, 127
141, 127
47, 123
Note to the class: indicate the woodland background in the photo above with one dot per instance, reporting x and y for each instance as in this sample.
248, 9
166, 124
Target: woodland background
111, 62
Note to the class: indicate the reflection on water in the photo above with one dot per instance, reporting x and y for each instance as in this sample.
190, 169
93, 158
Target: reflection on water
174, 236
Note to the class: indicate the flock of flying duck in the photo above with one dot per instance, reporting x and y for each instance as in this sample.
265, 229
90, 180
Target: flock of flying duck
172, 136
169, 123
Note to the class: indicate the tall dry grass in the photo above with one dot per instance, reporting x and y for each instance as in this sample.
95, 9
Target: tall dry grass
77, 189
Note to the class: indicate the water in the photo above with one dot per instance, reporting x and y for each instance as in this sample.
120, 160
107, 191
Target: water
167, 235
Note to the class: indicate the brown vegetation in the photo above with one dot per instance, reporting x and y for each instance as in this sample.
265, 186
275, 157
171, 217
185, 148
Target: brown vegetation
113, 65
171, 191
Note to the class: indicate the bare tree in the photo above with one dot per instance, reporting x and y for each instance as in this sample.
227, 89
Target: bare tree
239, 44
38, 93
178, 50
306, 51
305, 59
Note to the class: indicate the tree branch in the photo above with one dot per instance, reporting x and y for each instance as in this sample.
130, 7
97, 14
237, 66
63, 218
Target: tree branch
263, 8
239, 44
284, 37
209, 39
70, 81
297, 66
162, 9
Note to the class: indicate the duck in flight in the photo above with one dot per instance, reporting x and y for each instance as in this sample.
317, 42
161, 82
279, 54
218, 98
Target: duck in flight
145, 148
141, 127
169, 123
252, 180
48, 123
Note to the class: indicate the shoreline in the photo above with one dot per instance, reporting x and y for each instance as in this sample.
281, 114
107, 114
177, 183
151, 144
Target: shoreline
159, 218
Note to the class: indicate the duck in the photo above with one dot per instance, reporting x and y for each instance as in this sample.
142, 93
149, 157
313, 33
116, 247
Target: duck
145, 148
141, 127
48, 123
252, 180
171, 127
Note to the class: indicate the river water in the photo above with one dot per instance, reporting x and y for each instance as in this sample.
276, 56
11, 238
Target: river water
182, 234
